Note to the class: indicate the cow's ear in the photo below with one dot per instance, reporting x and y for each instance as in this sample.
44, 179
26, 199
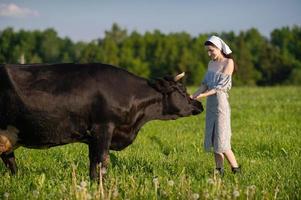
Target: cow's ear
161, 85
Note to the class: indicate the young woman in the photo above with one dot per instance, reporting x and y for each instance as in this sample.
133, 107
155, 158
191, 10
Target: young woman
215, 87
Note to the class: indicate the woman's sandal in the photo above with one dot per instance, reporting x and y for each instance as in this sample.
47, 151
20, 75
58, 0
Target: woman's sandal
236, 169
221, 171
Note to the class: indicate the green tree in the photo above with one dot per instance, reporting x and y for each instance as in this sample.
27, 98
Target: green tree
287, 42
6, 46
49, 46
91, 53
110, 51
67, 52
117, 34
246, 73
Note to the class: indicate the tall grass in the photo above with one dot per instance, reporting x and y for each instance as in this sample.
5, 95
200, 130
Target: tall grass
167, 160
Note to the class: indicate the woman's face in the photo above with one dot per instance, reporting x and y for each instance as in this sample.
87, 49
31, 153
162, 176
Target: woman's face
213, 52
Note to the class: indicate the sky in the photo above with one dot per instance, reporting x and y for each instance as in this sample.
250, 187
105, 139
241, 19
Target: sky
85, 20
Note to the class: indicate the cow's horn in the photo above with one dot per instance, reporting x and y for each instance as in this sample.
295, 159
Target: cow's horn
179, 76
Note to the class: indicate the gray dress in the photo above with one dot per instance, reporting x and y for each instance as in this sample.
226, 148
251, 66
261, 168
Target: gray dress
218, 128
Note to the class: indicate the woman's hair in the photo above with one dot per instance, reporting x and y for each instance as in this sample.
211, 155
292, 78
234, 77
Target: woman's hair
230, 56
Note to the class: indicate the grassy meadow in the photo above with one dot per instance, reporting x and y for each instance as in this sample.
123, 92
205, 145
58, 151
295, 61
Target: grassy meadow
167, 160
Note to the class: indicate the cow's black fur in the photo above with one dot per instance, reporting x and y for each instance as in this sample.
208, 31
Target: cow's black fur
97, 104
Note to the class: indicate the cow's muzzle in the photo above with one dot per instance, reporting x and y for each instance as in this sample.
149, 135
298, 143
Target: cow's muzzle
197, 107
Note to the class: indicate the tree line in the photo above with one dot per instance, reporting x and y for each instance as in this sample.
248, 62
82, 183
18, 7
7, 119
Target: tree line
261, 61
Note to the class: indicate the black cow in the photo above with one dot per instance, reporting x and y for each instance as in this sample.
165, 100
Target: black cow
46, 105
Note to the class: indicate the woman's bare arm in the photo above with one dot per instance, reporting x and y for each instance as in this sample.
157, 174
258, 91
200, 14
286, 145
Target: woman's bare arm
200, 90
206, 94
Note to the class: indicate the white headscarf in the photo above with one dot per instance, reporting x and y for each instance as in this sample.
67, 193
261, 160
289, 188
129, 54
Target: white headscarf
220, 44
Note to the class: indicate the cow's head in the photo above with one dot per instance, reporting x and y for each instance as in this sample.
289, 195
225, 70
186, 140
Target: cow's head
176, 100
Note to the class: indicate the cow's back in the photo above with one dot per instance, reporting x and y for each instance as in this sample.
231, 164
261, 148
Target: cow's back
37, 85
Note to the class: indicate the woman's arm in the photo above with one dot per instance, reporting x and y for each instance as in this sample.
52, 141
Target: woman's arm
229, 68
205, 94
200, 90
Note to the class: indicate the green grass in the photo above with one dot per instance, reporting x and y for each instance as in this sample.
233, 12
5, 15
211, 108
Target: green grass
167, 160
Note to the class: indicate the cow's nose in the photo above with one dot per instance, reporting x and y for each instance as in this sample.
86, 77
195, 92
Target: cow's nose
196, 112
197, 107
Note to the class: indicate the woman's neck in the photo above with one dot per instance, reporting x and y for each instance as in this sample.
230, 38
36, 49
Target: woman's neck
219, 58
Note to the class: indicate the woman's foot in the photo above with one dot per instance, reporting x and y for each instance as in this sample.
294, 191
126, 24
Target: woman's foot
220, 171
236, 169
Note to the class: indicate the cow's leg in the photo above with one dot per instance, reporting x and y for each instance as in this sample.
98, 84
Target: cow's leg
99, 149
9, 161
